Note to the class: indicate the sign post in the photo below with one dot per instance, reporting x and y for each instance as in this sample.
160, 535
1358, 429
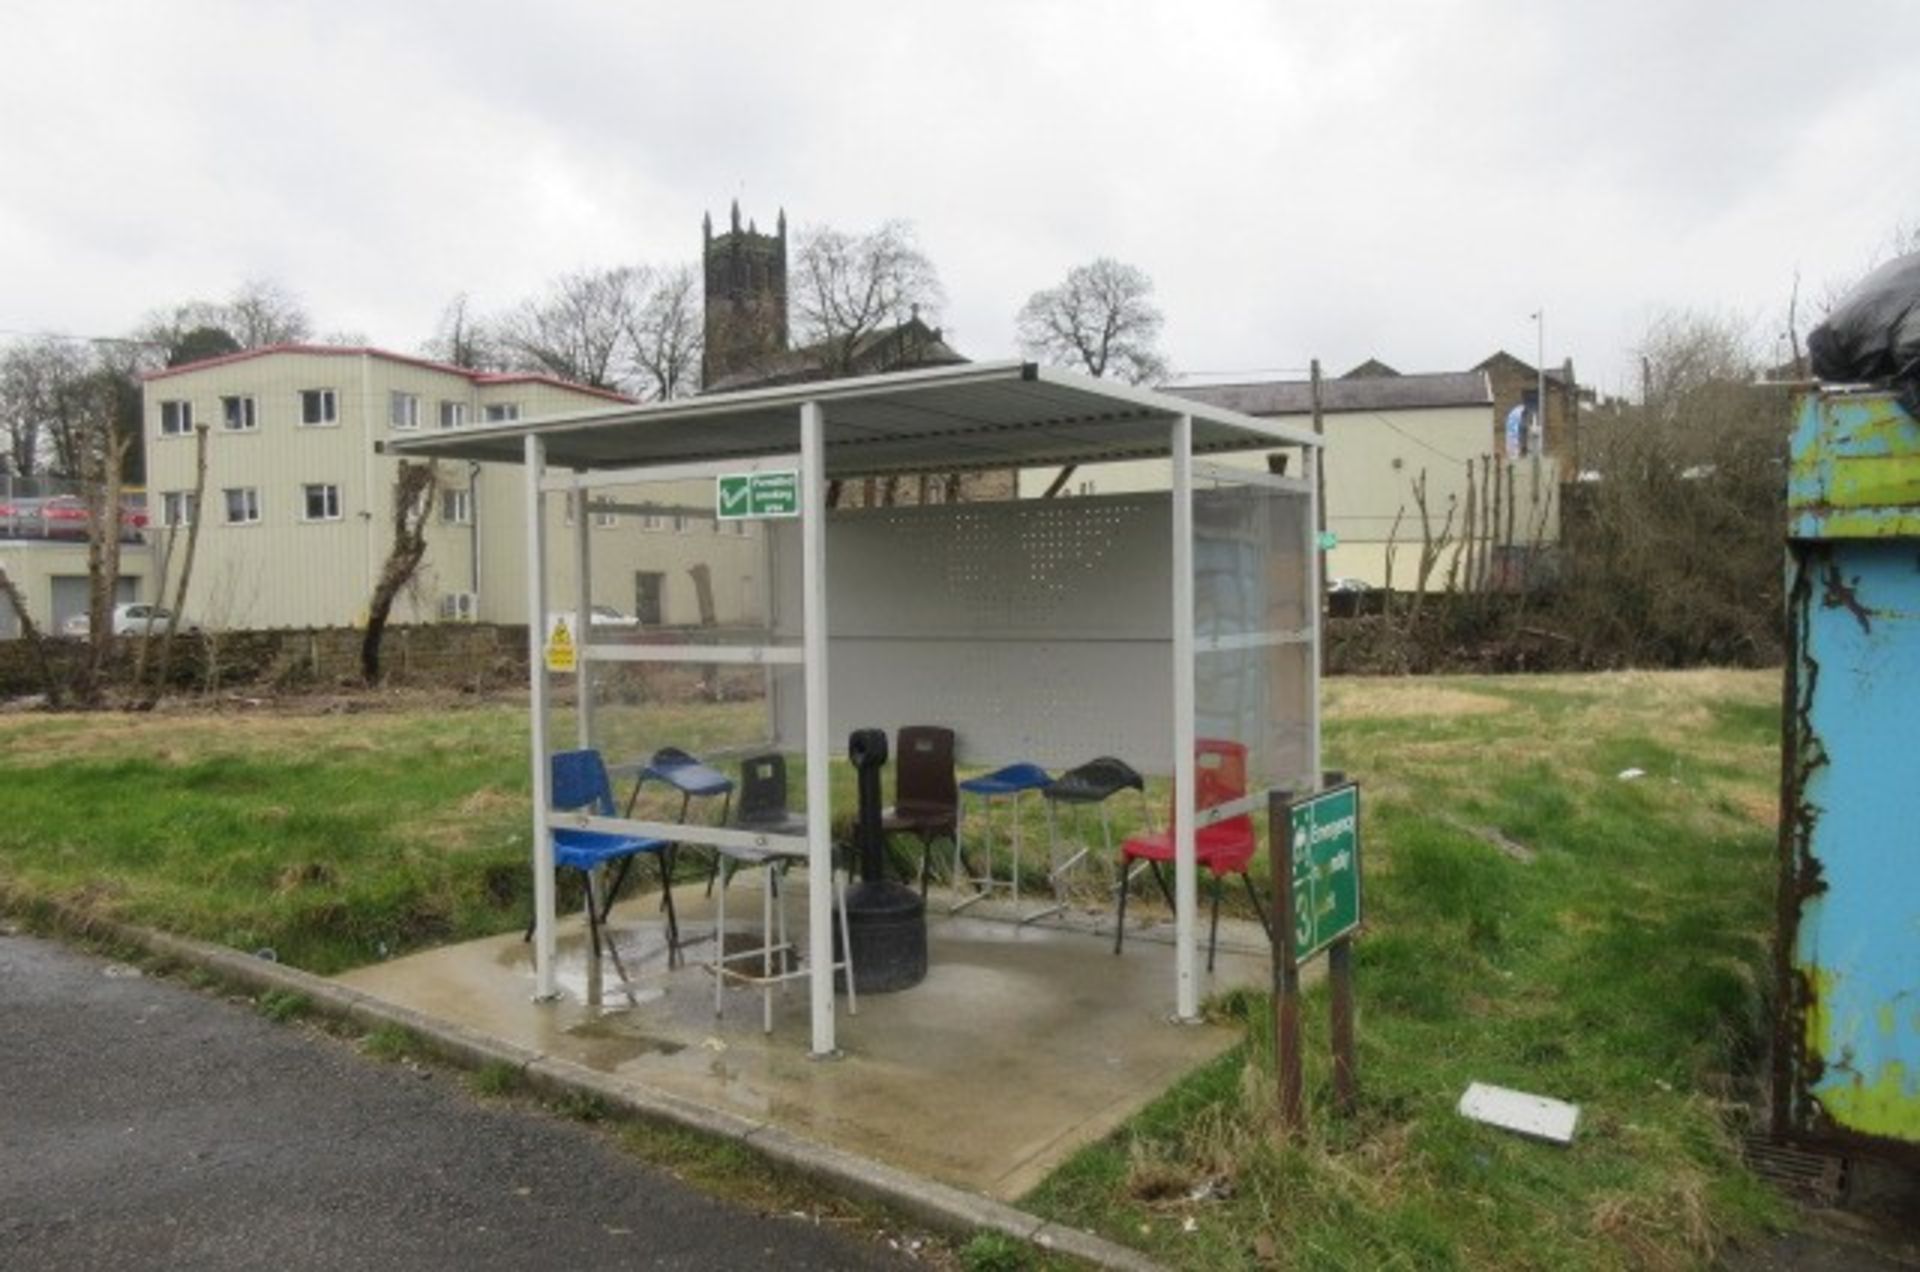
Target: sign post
1316, 897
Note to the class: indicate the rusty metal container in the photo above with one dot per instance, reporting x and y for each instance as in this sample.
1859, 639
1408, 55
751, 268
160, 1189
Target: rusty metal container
1847, 1042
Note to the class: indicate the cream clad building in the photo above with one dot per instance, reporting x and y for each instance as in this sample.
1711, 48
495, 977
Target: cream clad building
297, 515
1384, 434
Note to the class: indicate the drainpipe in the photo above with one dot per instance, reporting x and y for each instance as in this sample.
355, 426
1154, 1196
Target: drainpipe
473, 532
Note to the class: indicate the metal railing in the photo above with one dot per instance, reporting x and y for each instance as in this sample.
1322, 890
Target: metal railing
57, 508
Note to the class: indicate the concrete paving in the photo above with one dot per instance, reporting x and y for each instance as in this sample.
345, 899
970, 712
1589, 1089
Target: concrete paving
1024, 1043
144, 1125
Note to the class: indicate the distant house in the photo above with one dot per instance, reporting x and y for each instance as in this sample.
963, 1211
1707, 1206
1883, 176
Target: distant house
1517, 383
298, 505
1387, 434
903, 347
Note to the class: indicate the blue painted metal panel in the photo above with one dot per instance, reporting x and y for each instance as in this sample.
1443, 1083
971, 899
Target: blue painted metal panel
1850, 837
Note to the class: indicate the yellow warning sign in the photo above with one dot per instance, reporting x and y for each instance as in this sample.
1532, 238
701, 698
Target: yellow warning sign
560, 651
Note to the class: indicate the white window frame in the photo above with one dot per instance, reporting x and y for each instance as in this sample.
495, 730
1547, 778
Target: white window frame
458, 410
178, 411
251, 500
500, 412
177, 508
330, 496
456, 506
403, 410
249, 413
329, 400
605, 518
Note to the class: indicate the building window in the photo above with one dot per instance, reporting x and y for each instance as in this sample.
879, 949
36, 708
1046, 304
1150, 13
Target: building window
319, 406
322, 502
176, 418
177, 508
456, 507
604, 519
403, 410
647, 586
453, 414
679, 523
499, 412
243, 505
237, 415
651, 521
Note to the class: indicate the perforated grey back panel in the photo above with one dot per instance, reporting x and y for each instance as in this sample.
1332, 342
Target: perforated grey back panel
1042, 630
1037, 630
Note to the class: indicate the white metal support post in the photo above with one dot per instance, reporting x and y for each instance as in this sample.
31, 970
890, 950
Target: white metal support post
582, 618
813, 532
544, 985
1185, 880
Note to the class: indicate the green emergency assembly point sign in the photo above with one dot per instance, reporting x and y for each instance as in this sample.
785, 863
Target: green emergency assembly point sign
751, 496
1326, 870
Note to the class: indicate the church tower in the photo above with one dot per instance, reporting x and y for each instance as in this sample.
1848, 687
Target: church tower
746, 310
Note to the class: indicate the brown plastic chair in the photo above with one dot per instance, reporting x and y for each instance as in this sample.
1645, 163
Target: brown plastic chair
926, 791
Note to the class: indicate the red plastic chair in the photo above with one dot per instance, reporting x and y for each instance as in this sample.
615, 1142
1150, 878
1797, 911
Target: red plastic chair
1224, 848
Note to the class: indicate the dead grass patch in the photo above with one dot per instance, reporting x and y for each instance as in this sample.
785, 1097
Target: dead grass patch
1366, 698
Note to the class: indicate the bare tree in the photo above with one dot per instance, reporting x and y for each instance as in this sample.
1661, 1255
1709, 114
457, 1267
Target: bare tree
43, 406
414, 490
1101, 319
196, 514
666, 333
463, 340
264, 312
103, 462
846, 287
260, 312
578, 329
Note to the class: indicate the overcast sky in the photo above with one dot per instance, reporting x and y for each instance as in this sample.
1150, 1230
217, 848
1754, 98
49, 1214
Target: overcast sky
1408, 181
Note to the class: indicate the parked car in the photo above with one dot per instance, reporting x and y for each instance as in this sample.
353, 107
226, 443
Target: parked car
600, 615
130, 618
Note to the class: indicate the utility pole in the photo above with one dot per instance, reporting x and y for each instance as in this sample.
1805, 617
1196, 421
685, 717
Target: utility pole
1320, 501
1540, 369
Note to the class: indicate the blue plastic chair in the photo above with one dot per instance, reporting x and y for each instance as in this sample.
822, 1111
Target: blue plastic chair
580, 781
694, 780
1010, 783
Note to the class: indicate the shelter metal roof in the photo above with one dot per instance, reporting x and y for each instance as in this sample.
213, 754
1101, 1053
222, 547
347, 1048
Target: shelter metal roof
1409, 392
976, 416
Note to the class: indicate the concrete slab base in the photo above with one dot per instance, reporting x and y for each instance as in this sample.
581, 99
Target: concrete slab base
1024, 1043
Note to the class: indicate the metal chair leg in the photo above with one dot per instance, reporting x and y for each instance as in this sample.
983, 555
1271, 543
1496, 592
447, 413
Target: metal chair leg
1120, 928
1259, 911
665, 856
1213, 925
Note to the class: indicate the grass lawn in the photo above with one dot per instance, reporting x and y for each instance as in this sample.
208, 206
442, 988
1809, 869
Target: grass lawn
1533, 921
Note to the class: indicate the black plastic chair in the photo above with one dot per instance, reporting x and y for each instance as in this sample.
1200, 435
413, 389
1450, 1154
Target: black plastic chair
926, 791
1094, 783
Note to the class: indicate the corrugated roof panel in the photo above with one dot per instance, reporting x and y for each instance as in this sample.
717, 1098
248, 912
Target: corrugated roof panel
983, 415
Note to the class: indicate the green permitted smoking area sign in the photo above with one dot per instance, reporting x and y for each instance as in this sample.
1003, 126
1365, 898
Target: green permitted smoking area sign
752, 496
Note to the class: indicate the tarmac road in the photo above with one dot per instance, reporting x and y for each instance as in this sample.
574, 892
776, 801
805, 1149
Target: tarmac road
145, 1125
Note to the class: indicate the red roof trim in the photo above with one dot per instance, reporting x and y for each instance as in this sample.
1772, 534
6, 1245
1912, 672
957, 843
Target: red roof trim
367, 351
